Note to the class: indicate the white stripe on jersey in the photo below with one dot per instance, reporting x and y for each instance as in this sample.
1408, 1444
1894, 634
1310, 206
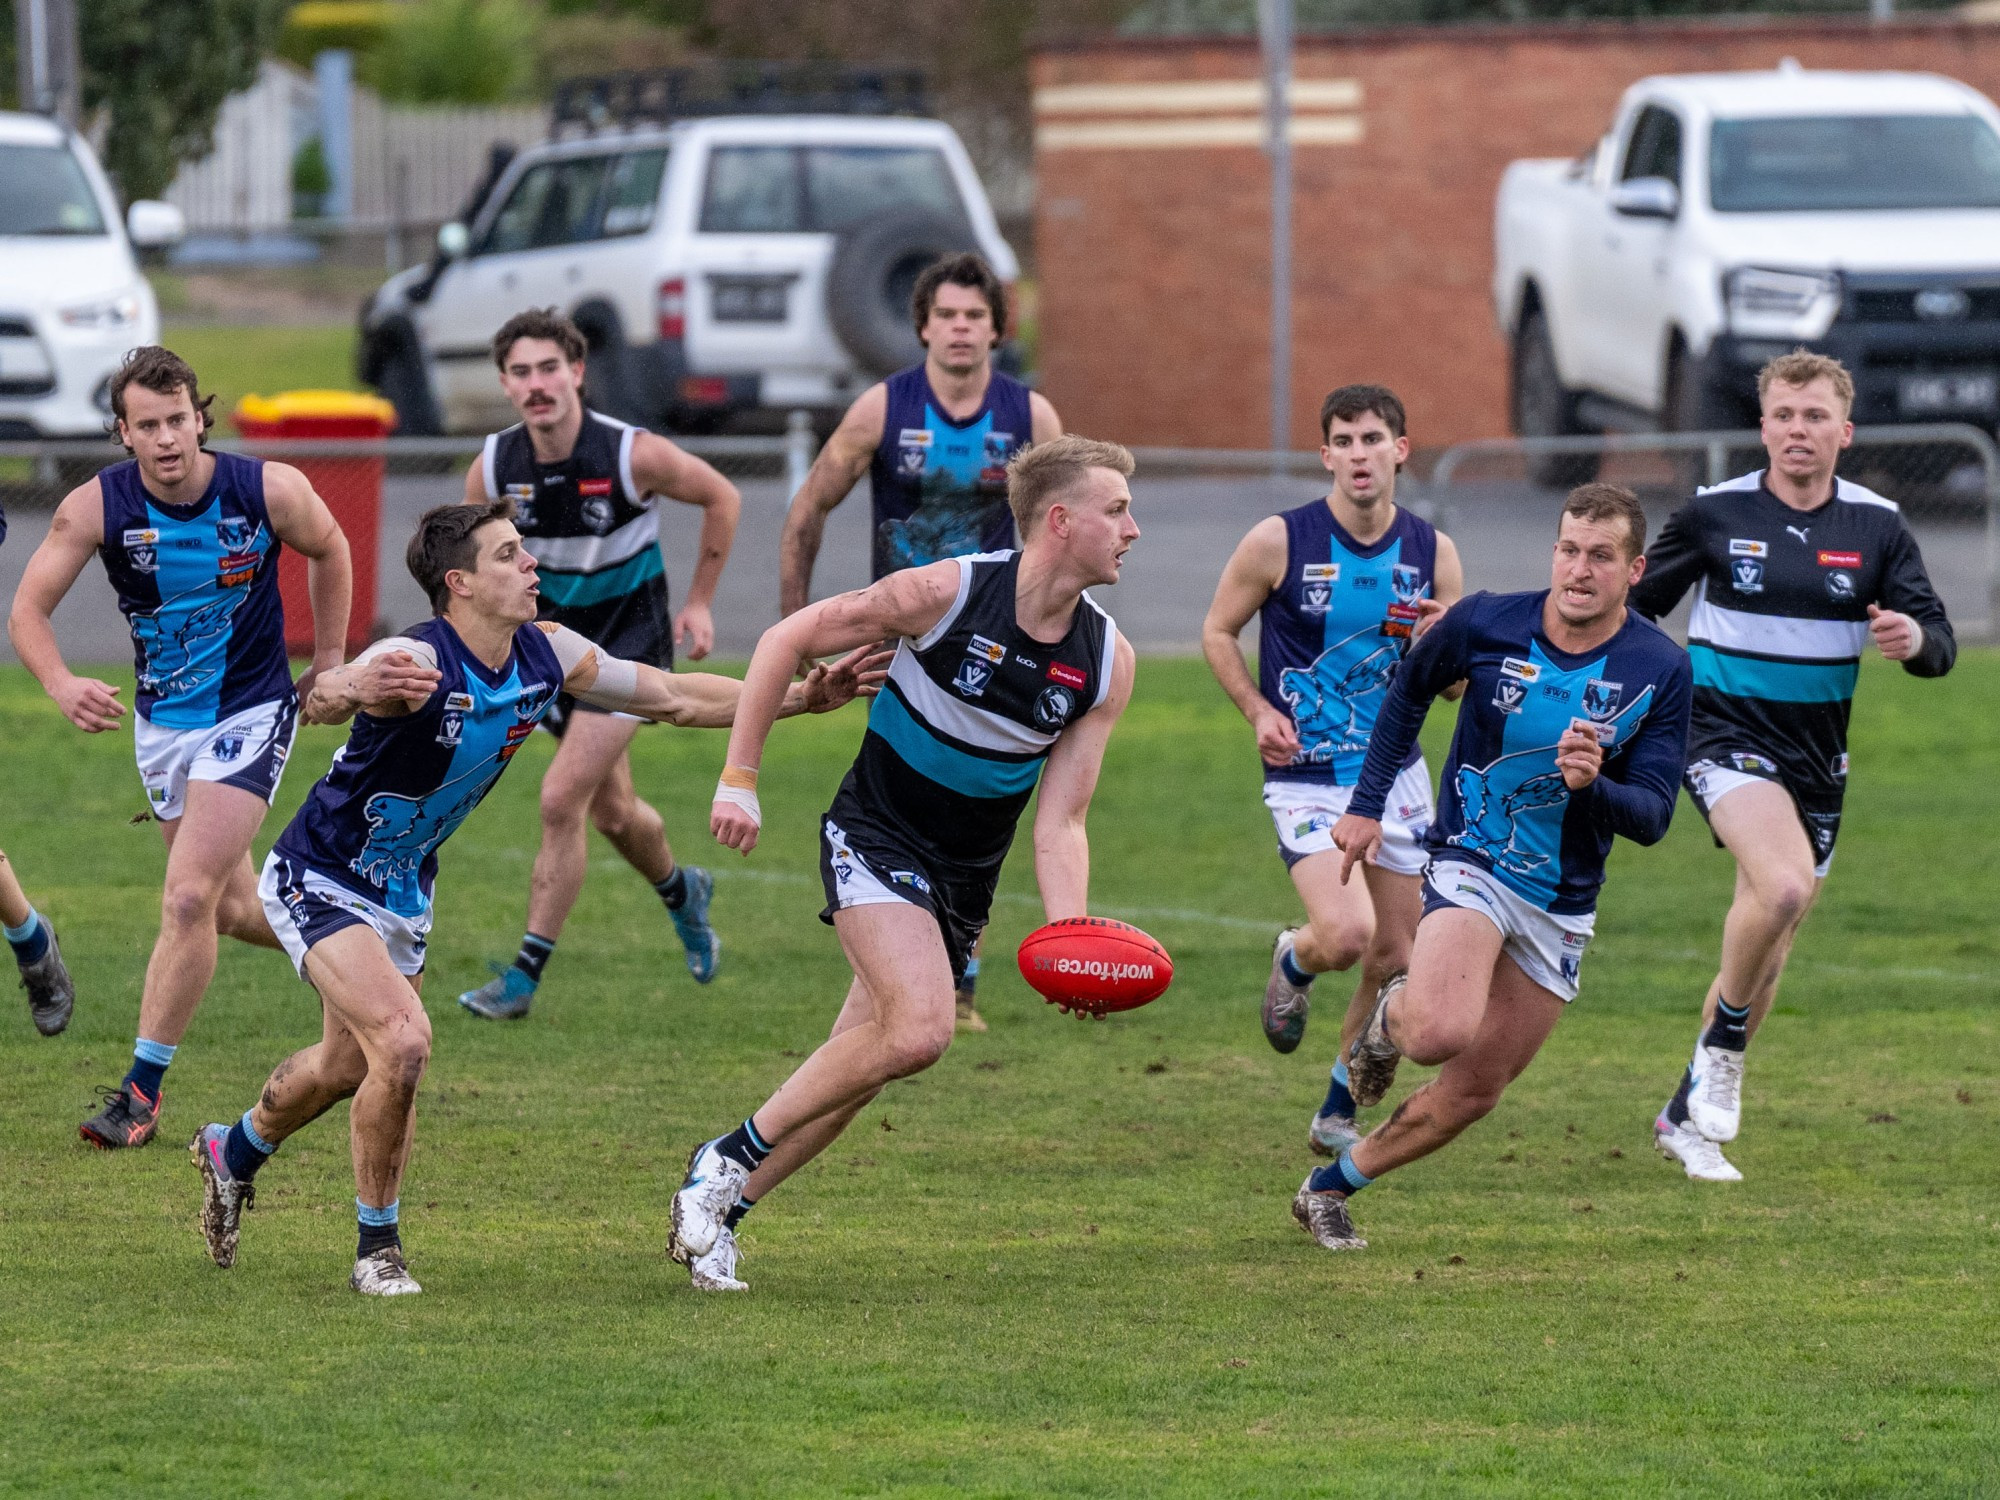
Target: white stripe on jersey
1110, 652
936, 633
593, 554
1843, 489
1784, 636
963, 721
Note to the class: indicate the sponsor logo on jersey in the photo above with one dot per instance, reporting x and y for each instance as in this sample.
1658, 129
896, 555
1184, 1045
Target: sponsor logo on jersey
1317, 823
1513, 666
1840, 765
1068, 676
1478, 893
462, 702
1401, 621
519, 493
1316, 581
235, 569
1408, 582
1320, 573
1577, 940
227, 746
142, 549
523, 496
452, 729
1508, 698
1604, 733
999, 448
1600, 698
1053, 708
1840, 584
912, 449
235, 533
1800, 533
1753, 765
992, 651
598, 513
910, 878
1839, 559
593, 486
1572, 967
1743, 546
1555, 691
1746, 575
972, 677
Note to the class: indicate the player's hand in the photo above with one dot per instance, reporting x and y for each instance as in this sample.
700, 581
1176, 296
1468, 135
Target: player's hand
1897, 637
1579, 755
696, 626
395, 680
310, 677
1277, 737
859, 674
1358, 839
1429, 612
732, 826
90, 705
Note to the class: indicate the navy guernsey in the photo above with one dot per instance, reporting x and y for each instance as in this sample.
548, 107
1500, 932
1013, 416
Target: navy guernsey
198, 585
1503, 804
940, 483
1333, 630
400, 786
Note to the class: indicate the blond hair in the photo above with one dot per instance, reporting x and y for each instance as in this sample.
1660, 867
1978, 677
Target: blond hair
1802, 367
1037, 477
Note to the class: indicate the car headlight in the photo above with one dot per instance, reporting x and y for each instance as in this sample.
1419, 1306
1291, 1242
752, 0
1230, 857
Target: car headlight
110, 312
1781, 304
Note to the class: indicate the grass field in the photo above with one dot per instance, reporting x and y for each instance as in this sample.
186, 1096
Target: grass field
1060, 1262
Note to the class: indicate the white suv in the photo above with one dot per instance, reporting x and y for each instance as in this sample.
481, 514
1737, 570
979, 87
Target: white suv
72, 301
717, 265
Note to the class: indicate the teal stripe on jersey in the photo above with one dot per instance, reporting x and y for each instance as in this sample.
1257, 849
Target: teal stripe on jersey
574, 590
1773, 681
947, 765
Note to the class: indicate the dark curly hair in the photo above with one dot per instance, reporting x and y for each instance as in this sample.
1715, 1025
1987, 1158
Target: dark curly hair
162, 372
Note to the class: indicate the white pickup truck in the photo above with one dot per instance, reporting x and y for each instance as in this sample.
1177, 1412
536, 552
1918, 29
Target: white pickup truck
1728, 217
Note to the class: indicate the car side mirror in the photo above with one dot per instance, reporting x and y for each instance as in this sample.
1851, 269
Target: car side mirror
454, 240
152, 224
1646, 198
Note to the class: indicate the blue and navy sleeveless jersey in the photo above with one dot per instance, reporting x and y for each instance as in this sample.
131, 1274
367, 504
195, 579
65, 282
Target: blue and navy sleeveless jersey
198, 585
1503, 803
400, 786
940, 485
957, 736
1332, 632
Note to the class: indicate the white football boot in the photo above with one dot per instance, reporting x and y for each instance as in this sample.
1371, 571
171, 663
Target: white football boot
383, 1274
716, 1271
1698, 1156
1715, 1103
710, 1190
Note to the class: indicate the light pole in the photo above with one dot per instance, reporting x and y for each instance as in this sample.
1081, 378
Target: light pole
1274, 24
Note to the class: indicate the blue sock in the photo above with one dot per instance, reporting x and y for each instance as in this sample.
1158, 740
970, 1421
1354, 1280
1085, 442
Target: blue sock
735, 1215
149, 1066
969, 985
1292, 970
744, 1146
378, 1228
674, 889
1730, 1029
243, 1150
1676, 1112
30, 940
1341, 1176
534, 956
1338, 1100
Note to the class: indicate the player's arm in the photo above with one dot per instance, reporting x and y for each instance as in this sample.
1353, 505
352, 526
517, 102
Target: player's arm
302, 522
906, 603
660, 467
1447, 588
390, 679
1910, 625
1254, 569
1043, 423
836, 471
1634, 795
76, 532
1674, 563
475, 483
1062, 844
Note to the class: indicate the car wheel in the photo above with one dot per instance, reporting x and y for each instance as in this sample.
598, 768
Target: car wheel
1689, 405
608, 383
874, 271
1544, 408
401, 380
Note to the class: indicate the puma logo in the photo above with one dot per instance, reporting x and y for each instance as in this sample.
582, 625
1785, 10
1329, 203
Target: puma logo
1799, 532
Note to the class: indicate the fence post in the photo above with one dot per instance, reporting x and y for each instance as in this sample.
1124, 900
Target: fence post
1718, 462
800, 449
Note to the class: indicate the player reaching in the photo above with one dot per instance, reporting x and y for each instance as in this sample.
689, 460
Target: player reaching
1003, 666
347, 886
1338, 583
1794, 572
190, 540
585, 490
1572, 729
934, 440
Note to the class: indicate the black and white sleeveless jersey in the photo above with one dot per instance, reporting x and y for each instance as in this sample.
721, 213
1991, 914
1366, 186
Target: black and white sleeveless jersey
595, 537
957, 736
1781, 617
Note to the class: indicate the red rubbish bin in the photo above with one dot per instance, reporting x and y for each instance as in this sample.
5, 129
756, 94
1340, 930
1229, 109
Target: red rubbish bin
351, 488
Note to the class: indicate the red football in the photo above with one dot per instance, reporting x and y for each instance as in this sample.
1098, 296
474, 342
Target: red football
1093, 965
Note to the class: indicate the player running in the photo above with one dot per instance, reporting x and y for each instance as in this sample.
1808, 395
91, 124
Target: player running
347, 886
1572, 729
190, 540
1337, 584
935, 441
1003, 664
51, 993
585, 489
1794, 571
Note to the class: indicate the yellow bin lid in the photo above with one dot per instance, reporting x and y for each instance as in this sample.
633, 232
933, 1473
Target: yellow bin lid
315, 404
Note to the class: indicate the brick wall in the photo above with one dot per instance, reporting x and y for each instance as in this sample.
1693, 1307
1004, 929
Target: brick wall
1154, 257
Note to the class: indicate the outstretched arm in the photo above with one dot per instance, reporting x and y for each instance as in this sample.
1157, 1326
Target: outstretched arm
836, 471
664, 468
1062, 844
75, 533
302, 522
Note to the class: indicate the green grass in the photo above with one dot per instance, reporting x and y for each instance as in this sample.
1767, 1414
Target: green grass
1060, 1262
236, 360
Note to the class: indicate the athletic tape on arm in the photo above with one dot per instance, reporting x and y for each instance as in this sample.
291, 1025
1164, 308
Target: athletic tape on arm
426, 656
617, 682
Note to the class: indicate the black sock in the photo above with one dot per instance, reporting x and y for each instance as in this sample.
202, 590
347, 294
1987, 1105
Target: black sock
674, 889
376, 1237
1677, 1107
735, 1215
534, 955
744, 1146
1730, 1029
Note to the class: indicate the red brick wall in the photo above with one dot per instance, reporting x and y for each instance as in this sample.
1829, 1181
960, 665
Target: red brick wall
1154, 262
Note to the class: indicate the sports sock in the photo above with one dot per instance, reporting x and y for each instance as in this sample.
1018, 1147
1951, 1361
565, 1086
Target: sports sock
1338, 1100
1293, 972
1676, 1111
1730, 1029
378, 1229
969, 985
243, 1150
674, 889
149, 1066
735, 1215
744, 1146
534, 956
1339, 1176
30, 940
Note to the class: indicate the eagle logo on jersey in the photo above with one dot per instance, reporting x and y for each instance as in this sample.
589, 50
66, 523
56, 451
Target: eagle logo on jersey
1408, 582
1600, 698
1746, 574
227, 746
236, 533
169, 643
402, 830
1490, 814
1333, 712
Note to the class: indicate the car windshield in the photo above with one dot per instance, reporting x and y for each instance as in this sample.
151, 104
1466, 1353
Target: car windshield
43, 191
1853, 162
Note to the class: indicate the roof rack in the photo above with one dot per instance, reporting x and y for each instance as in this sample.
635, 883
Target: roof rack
658, 96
